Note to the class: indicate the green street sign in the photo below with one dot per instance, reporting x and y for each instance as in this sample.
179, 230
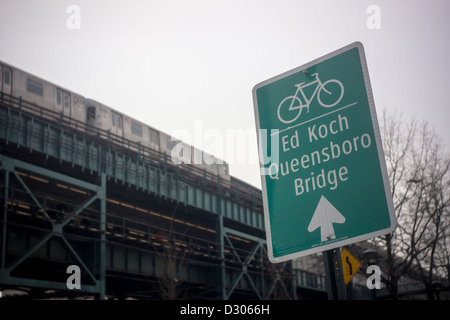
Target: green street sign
323, 172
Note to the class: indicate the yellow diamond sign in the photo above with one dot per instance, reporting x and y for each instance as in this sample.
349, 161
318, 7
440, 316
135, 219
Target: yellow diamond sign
350, 265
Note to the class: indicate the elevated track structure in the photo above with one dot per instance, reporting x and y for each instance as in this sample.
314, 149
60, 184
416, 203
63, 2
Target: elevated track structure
136, 226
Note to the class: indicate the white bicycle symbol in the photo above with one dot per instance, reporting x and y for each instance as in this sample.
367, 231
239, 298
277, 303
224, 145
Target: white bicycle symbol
291, 107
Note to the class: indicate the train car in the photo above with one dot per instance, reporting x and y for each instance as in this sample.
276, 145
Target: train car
47, 95
5, 78
177, 151
102, 117
209, 163
33, 89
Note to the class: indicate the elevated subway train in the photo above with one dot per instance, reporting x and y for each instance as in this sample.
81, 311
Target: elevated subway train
18, 83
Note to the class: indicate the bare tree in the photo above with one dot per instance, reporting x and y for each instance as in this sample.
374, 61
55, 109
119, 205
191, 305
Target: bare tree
397, 143
418, 170
432, 208
171, 263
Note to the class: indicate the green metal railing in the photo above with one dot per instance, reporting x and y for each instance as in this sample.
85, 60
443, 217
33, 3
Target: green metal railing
39, 130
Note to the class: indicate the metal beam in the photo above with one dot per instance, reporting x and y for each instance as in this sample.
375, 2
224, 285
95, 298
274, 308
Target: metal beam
36, 283
279, 280
76, 212
244, 235
77, 257
29, 252
101, 194
5, 219
33, 197
222, 272
10, 165
53, 174
244, 271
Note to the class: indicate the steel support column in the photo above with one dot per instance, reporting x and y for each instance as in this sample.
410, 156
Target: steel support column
101, 194
252, 258
6, 166
221, 281
10, 167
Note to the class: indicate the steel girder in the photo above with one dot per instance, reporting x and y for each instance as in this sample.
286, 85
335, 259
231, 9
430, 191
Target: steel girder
11, 169
250, 265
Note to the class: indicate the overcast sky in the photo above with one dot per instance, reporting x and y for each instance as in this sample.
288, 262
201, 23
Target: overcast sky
188, 67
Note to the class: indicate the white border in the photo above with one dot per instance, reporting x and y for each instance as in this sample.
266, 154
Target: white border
381, 158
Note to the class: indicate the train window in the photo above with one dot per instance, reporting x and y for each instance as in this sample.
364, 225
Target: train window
136, 128
62, 98
58, 97
91, 113
116, 120
225, 169
7, 76
153, 136
66, 100
35, 87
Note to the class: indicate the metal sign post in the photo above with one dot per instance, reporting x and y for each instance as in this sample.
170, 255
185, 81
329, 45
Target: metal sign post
333, 274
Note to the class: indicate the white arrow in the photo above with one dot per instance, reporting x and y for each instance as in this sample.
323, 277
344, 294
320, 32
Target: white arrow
324, 217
